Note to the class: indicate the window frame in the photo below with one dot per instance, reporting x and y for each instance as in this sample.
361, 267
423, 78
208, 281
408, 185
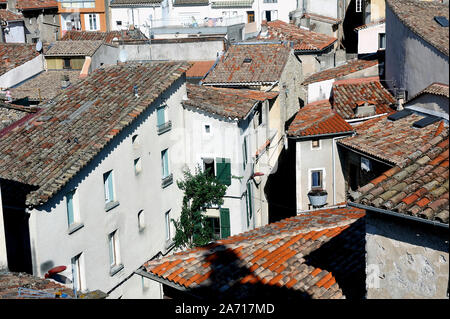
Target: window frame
77, 272
167, 226
321, 179
358, 5
108, 186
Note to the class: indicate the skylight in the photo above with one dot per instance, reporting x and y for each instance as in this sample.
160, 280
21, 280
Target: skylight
443, 21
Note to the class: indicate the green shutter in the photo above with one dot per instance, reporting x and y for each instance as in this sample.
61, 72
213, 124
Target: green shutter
223, 170
224, 222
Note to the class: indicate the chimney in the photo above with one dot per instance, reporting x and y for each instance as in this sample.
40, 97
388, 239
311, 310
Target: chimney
363, 108
65, 81
400, 96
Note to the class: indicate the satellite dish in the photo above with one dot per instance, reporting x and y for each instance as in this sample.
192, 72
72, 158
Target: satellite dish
39, 46
123, 56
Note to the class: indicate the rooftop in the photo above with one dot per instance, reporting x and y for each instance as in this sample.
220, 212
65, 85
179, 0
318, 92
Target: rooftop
371, 24
233, 103
199, 68
418, 16
44, 86
49, 149
108, 37
14, 54
231, 3
283, 255
135, 3
340, 71
11, 113
72, 48
261, 63
304, 40
390, 141
7, 15
190, 2
35, 287
347, 94
36, 4
318, 118
435, 89
418, 189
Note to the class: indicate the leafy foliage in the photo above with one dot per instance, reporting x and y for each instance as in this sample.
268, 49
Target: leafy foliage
201, 191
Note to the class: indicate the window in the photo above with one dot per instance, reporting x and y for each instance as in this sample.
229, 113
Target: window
66, 63
77, 273
137, 166
119, 23
70, 208
114, 258
250, 16
109, 188
315, 143
316, 179
249, 203
223, 170
270, 1
165, 163
92, 22
162, 124
167, 224
135, 140
214, 223
207, 129
381, 40
244, 152
141, 220
208, 165
359, 5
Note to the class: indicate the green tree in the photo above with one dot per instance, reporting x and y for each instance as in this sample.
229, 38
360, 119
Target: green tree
201, 191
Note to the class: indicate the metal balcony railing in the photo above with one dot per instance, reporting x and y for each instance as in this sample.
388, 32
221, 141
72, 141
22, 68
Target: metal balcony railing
166, 181
164, 127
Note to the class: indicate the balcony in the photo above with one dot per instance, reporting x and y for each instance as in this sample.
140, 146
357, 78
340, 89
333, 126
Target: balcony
166, 181
164, 127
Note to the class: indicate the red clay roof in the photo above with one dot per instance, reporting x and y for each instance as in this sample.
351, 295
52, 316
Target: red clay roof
272, 255
435, 89
318, 118
199, 69
125, 35
36, 4
265, 64
304, 40
43, 151
14, 54
7, 15
391, 141
348, 93
340, 71
371, 24
420, 188
234, 103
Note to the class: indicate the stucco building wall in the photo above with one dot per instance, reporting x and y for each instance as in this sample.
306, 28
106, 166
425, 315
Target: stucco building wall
410, 61
134, 192
405, 260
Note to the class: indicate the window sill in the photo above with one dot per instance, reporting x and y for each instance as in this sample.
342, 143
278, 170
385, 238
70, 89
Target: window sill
111, 205
166, 181
114, 270
74, 227
163, 128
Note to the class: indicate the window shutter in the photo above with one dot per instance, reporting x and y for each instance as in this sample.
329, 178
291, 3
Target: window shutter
249, 204
223, 170
224, 222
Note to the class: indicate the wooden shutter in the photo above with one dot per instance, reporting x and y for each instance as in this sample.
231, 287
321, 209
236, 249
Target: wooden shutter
225, 222
223, 170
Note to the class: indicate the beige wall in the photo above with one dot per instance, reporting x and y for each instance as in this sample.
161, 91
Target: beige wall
378, 10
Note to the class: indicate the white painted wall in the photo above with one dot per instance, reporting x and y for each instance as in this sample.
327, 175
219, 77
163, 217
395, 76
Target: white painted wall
309, 159
320, 90
141, 18
22, 72
15, 33
368, 38
133, 192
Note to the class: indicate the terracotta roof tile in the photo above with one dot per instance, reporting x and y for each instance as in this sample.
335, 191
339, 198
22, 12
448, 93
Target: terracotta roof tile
199, 69
7, 15
108, 37
36, 4
435, 89
318, 118
14, 54
418, 16
69, 48
411, 191
110, 90
391, 141
304, 40
250, 63
273, 256
348, 94
233, 103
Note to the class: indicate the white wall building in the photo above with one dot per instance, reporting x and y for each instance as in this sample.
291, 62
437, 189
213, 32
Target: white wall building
108, 202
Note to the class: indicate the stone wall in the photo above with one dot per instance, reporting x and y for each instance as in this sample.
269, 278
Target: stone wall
405, 259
